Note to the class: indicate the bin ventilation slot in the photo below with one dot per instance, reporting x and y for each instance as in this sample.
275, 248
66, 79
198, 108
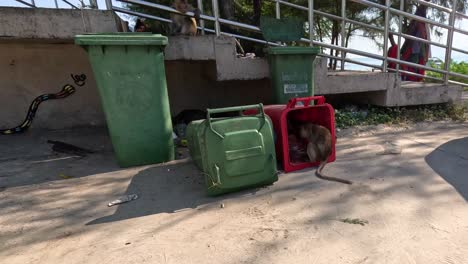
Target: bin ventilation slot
244, 153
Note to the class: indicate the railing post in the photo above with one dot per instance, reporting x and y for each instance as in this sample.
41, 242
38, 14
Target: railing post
448, 50
311, 22
56, 4
33, 3
400, 30
216, 16
385, 48
109, 4
278, 9
202, 22
343, 32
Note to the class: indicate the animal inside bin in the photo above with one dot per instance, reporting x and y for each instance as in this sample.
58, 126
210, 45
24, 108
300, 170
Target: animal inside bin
301, 132
310, 141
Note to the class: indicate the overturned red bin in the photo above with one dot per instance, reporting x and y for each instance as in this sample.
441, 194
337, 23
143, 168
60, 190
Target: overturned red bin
299, 110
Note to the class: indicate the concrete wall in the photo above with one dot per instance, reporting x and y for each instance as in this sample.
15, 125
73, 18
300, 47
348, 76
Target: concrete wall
193, 85
28, 70
54, 24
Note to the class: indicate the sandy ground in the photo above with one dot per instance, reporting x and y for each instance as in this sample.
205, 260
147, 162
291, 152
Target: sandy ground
53, 208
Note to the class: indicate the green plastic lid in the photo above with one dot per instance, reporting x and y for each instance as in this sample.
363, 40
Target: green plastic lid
284, 30
121, 39
293, 50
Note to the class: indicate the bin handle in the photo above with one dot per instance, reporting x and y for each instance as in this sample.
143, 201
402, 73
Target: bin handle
218, 176
209, 112
306, 100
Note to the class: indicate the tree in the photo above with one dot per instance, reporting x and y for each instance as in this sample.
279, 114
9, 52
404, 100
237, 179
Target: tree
257, 10
326, 30
410, 7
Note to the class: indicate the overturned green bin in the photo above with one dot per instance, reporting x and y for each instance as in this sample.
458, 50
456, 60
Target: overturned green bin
234, 153
291, 67
131, 79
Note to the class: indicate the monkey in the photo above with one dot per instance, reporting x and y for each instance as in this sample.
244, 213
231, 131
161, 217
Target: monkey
181, 24
319, 147
297, 150
140, 26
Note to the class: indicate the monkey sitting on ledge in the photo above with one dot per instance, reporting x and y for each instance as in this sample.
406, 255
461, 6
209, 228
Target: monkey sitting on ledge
184, 25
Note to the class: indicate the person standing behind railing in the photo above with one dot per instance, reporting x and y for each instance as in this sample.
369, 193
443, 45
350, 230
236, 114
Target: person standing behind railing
392, 52
416, 51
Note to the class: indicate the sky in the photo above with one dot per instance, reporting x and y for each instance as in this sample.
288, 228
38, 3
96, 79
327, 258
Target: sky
51, 3
357, 42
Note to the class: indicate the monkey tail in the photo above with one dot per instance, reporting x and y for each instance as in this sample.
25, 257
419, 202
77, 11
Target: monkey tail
319, 174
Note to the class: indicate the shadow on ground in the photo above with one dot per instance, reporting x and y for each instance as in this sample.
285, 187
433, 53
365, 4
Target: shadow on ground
166, 189
27, 159
450, 161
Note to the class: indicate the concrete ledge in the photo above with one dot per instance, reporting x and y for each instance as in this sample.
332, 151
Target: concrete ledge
412, 93
221, 49
190, 48
354, 82
54, 24
229, 67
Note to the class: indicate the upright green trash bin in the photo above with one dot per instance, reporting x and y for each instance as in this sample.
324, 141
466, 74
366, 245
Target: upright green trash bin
131, 79
291, 68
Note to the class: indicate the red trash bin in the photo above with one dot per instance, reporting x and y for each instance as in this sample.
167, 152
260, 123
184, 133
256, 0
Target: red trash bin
320, 113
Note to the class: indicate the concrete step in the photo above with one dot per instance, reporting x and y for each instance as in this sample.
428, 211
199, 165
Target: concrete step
220, 49
229, 67
417, 93
464, 96
379, 88
346, 82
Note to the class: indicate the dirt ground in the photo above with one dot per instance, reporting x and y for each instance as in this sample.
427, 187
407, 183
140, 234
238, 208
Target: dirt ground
53, 207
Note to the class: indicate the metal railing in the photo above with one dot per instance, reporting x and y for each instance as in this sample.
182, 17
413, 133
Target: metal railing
386, 8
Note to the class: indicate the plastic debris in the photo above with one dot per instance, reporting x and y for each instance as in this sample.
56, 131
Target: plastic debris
180, 130
66, 148
355, 221
391, 148
246, 56
63, 176
123, 199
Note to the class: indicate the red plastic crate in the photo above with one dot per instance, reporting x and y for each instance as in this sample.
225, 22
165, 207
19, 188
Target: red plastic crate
320, 113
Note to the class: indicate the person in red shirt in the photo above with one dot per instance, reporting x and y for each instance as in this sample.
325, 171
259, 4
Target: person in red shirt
392, 52
415, 51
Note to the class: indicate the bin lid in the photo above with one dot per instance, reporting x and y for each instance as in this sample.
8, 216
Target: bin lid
293, 50
121, 39
285, 29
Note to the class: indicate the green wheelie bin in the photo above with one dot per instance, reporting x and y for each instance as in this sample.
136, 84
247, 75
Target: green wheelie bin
131, 79
234, 153
291, 67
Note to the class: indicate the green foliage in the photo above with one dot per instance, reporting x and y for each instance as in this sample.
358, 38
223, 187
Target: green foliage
458, 67
346, 117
